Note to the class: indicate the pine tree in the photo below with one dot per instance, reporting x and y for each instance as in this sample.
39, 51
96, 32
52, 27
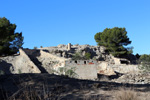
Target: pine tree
114, 40
10, 42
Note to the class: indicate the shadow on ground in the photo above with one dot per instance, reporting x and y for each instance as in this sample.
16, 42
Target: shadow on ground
58, 87
5, 67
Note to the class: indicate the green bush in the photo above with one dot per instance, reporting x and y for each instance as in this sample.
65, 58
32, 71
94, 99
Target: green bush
79, 56
144, 63
87, 56
70, 72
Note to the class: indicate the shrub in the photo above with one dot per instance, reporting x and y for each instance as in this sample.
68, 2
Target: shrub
144, 63
70, 72
87, 56
79, 56
35, 47
2, 72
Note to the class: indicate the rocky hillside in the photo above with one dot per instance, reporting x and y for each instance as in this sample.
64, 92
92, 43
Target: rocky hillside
63, 51
97, 52
43, 60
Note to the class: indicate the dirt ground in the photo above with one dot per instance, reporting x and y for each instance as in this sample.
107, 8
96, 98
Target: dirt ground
53, 87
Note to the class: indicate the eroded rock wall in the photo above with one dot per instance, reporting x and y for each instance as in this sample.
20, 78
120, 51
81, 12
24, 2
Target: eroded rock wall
18, 64
45, 61
123, 68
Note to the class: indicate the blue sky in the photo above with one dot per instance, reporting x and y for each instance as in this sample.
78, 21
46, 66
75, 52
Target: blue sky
52, 22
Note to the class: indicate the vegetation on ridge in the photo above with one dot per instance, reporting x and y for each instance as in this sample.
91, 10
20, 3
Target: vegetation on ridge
79, 56
114, 40
144, 62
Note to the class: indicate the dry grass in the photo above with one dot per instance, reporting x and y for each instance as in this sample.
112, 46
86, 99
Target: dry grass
94, 97
44, 89
31, 93
126, 94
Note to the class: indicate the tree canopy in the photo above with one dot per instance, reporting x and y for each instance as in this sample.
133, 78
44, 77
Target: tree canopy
10, 41
114, 40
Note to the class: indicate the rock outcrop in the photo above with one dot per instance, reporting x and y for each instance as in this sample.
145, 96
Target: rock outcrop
18, 64
97, 53
134, 78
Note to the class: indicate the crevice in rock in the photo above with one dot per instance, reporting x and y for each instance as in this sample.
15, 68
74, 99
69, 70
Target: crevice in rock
37, 62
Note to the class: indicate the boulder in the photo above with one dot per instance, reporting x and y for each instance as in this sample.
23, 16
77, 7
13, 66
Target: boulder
103, 68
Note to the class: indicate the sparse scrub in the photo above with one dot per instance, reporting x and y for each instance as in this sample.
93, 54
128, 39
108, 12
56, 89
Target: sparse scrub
79, 56
32, 93
87, 56
57, 88
94, 97
70, 72
126, 94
